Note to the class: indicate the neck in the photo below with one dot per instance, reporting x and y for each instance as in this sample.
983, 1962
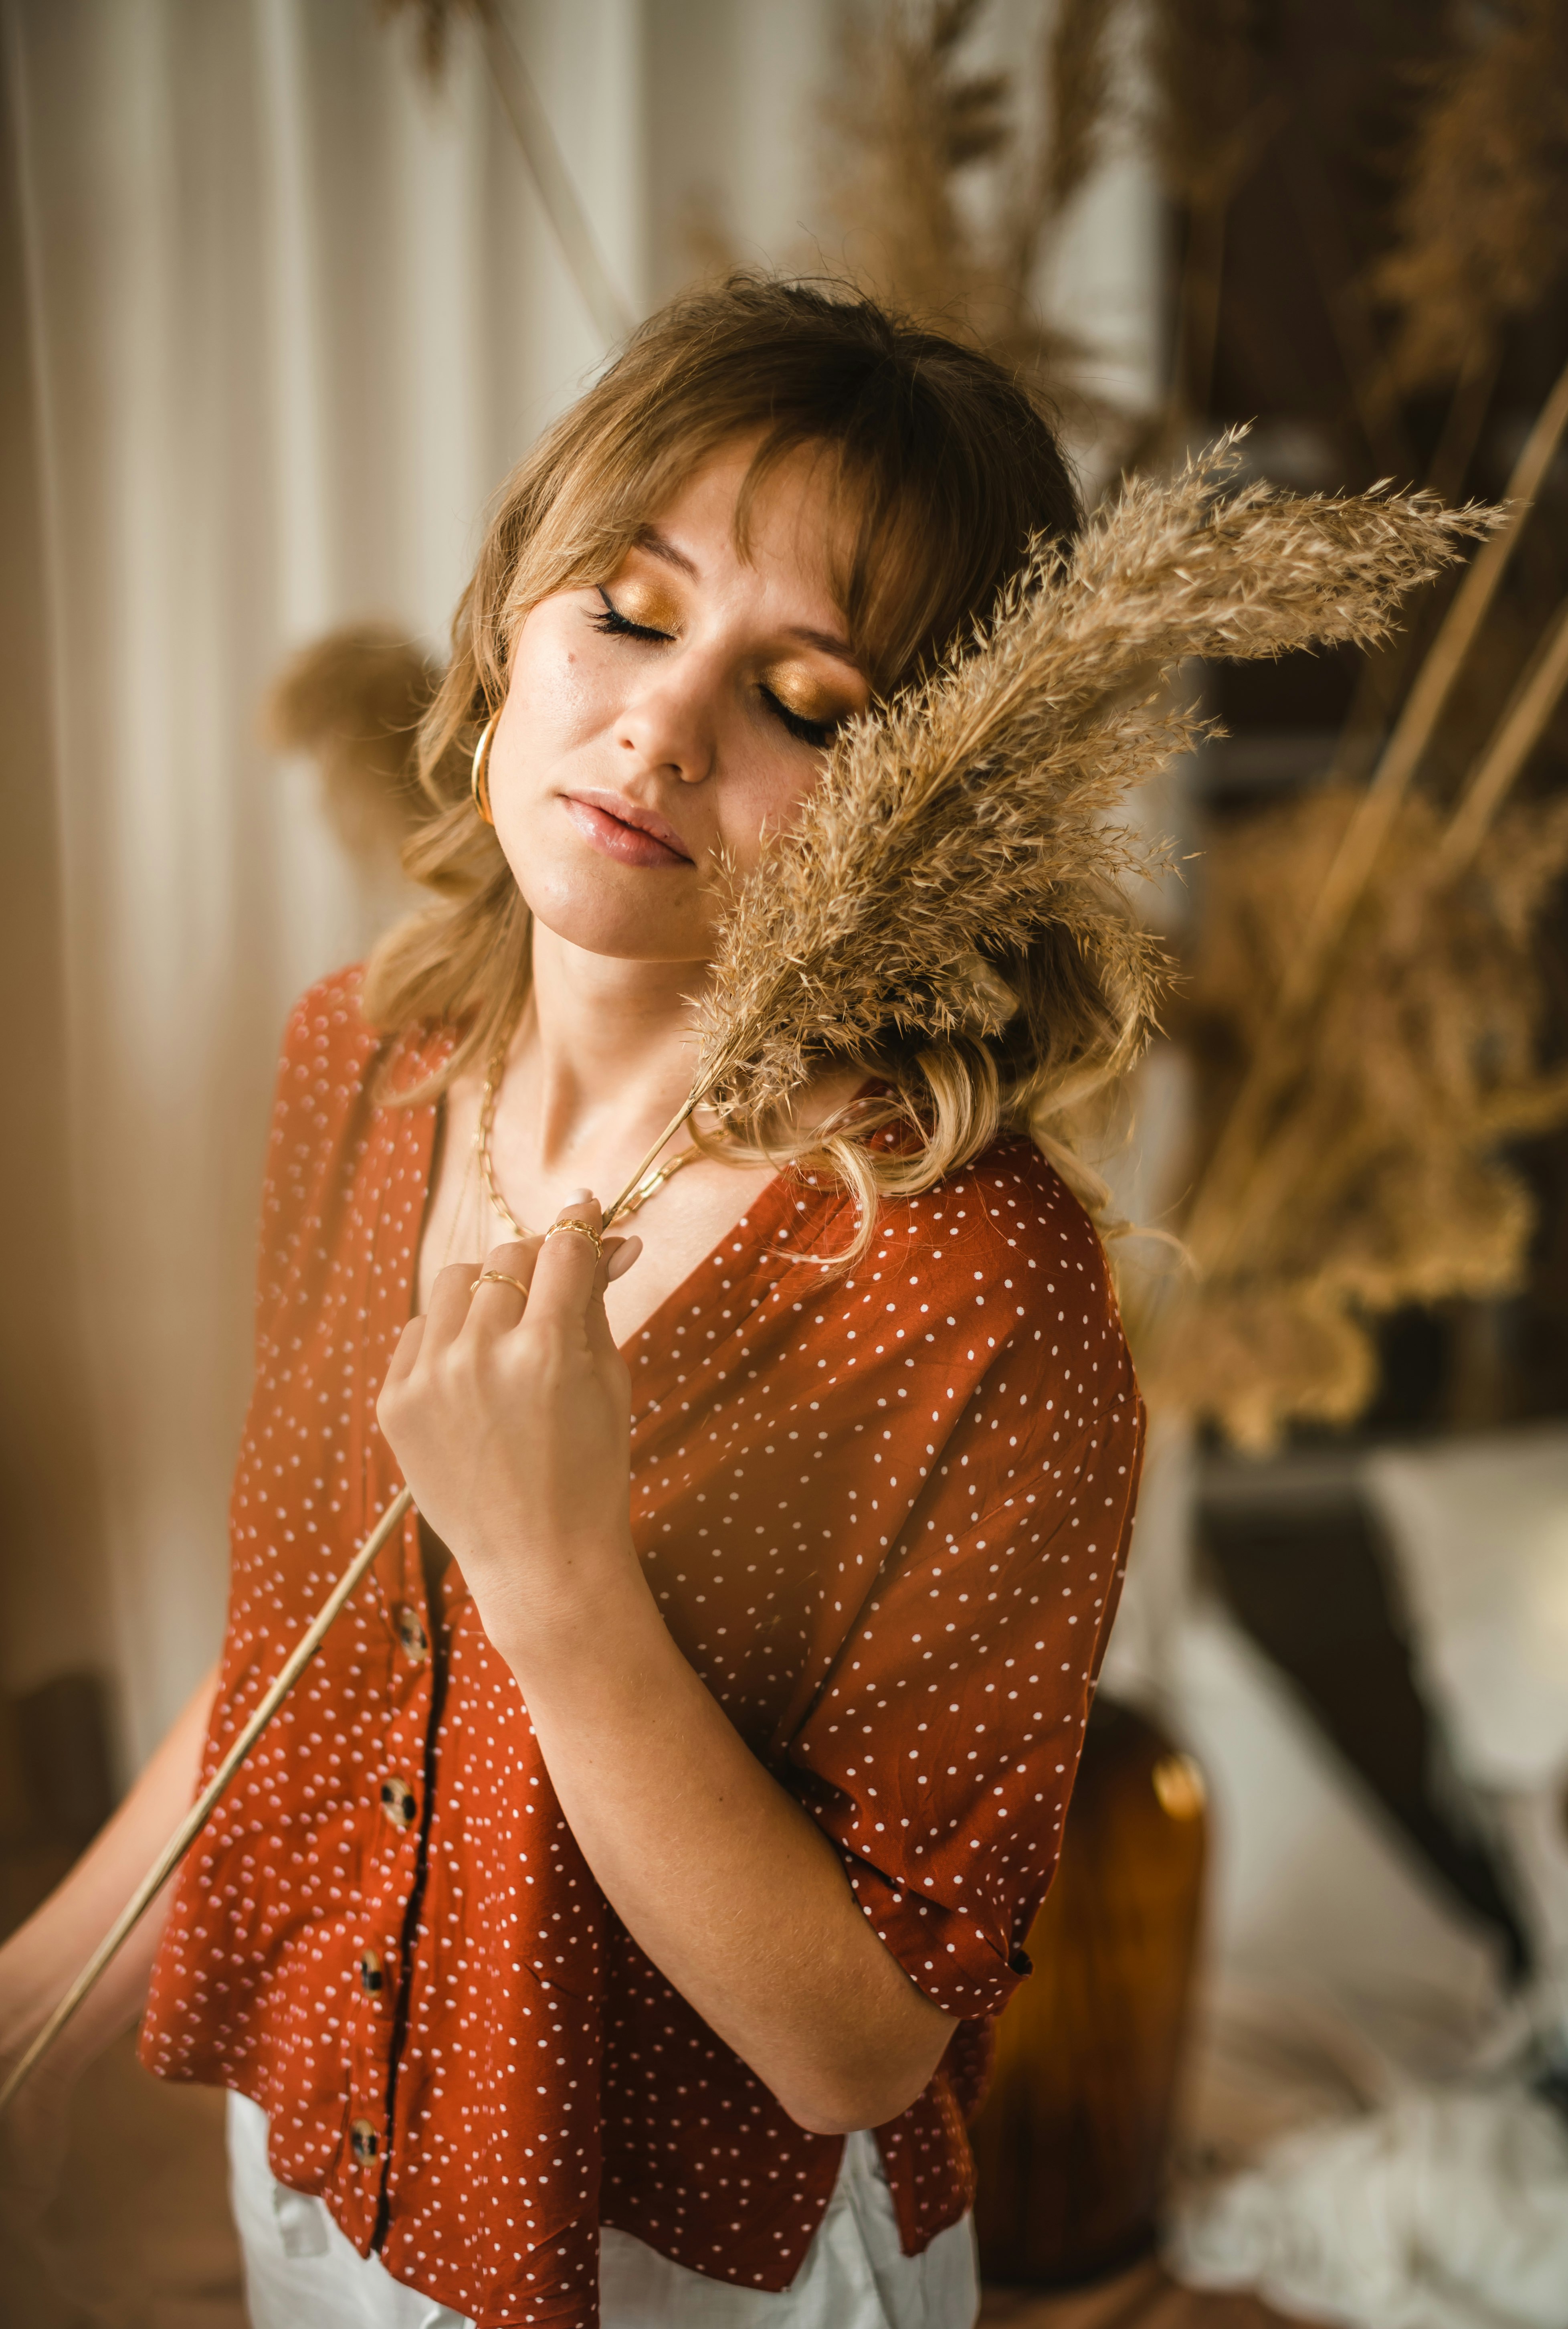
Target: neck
605, 1051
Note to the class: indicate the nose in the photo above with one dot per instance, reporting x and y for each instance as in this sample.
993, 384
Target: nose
669, 726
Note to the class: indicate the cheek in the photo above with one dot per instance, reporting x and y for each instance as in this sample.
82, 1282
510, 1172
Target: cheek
556, 697
764, 797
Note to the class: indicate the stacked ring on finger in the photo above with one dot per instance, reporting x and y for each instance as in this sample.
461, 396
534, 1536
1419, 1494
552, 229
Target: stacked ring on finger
498, 1277
579, 1228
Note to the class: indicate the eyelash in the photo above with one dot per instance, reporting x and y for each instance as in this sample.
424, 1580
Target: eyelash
620, 627
818, 734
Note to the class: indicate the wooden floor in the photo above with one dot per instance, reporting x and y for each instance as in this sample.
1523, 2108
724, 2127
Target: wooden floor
140, 2237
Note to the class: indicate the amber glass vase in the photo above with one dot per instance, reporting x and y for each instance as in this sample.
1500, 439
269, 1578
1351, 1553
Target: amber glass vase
1072, 2144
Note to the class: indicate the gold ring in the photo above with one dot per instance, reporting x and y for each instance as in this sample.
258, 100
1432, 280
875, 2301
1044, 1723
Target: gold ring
498, 1277
577, 1228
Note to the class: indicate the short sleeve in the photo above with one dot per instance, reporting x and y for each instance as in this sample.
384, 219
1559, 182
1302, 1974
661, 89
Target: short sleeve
940, 1758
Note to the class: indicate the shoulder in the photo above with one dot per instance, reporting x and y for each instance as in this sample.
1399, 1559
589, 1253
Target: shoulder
1009, 1223
334, 1074
323, 1071
326, 1038
331, 1054
330, 1125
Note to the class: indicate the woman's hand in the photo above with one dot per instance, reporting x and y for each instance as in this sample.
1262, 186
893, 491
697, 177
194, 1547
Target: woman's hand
508, 1407
511, 1417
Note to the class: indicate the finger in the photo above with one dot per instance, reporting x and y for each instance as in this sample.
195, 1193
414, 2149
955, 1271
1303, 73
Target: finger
620, 1253
406, 1351
501, 1288
450, 1297
568, 1263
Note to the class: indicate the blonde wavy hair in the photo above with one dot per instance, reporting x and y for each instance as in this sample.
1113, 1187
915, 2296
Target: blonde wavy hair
957, 478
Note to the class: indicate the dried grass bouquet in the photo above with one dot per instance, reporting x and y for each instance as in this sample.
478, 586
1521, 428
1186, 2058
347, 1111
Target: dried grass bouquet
979, 812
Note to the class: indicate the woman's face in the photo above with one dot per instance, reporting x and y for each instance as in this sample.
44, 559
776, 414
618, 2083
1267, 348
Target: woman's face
673, 715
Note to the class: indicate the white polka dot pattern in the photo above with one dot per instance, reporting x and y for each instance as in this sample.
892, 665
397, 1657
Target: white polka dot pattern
885, 1519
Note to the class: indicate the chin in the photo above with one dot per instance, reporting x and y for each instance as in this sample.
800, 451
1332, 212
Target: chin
624, 913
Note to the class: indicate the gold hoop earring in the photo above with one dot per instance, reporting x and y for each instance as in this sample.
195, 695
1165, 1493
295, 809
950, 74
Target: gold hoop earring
479, 781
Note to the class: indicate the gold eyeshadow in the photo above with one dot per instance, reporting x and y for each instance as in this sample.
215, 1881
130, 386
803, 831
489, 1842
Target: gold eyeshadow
800, 692
644, 604
652, 606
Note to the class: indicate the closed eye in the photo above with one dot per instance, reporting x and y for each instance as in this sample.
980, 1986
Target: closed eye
620, 627
818, 734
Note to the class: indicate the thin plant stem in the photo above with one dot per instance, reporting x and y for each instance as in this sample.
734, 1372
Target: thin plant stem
1382, 668
304, 1649
206, 1803
688, 1106
1467, 409
1515, 737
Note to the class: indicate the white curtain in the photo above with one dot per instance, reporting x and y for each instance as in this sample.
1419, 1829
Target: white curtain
292, 315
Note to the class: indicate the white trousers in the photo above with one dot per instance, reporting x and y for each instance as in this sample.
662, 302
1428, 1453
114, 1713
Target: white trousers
302, 2273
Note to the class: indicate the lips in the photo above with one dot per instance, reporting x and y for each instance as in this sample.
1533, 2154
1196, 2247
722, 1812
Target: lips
622, 830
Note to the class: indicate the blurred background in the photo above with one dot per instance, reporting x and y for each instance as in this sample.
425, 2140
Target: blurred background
287, 286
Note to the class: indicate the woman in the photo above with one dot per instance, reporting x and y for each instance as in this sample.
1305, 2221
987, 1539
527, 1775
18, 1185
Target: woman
672, 1810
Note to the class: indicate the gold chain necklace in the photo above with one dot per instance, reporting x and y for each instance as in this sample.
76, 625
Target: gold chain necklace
649, 1186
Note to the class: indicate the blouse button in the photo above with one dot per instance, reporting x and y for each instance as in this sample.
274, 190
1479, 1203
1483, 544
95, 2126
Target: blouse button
371, 1978
363, 2140
397, 1801
411, 1634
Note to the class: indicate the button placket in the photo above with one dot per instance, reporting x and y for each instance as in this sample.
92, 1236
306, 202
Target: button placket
399, 1804
394, 1805
412, 1638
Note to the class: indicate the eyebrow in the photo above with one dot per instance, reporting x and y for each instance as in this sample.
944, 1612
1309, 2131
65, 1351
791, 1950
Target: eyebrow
830, 643
659, 545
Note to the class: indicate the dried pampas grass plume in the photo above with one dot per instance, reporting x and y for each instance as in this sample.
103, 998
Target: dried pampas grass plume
1078, 98
1384, 1186
1205, 65
921, 120
1481, 223
951, 832
917, 119
353, 702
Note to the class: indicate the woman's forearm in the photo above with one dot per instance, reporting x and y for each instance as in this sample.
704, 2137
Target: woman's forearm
717, 1873
39, 1961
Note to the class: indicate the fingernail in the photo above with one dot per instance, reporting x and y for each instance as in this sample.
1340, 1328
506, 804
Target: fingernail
579, 1197
624, 1254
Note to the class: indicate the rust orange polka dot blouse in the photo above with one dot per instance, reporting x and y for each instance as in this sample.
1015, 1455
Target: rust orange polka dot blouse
884, 1518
